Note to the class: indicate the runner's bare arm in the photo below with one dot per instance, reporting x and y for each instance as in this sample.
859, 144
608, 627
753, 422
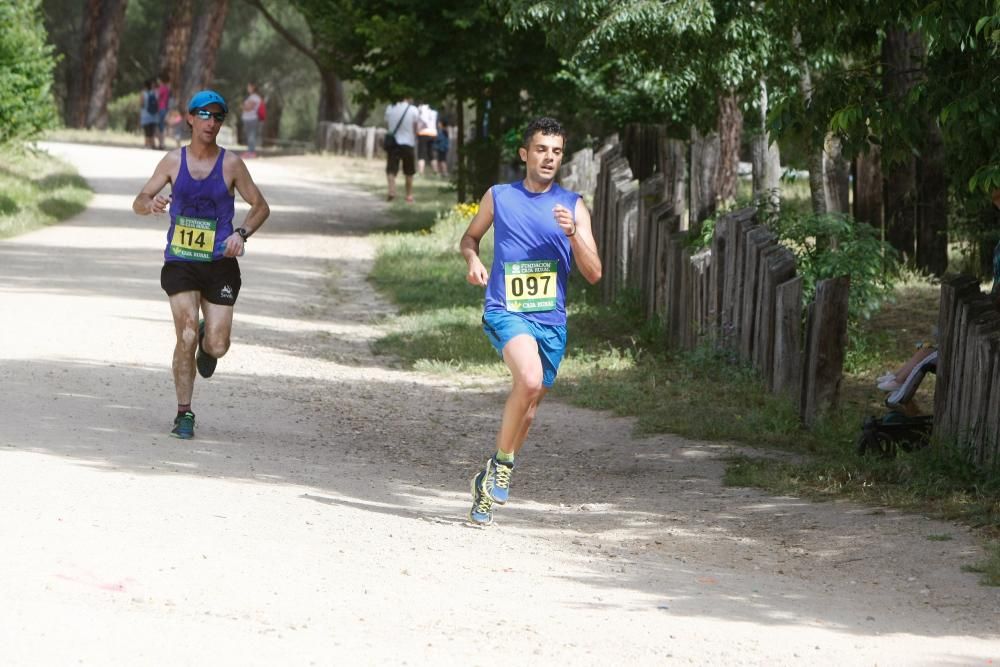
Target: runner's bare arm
149, 200
469, 245
581, 238
259, 210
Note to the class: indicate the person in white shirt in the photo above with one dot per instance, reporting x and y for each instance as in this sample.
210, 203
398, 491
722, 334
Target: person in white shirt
250, 119
426, 134
401, 121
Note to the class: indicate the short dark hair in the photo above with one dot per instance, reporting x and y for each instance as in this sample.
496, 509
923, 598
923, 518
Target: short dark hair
545, 125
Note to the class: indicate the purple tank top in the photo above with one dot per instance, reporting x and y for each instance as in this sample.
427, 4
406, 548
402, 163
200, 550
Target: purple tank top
531, 254
201, 215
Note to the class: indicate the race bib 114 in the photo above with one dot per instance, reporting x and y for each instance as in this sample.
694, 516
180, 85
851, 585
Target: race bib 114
531, 285
193, 239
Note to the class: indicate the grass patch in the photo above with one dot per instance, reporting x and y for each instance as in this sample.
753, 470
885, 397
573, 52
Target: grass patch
102, 137
989, 567
37, 190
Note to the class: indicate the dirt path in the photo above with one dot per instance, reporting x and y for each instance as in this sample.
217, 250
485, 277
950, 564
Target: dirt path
318, 516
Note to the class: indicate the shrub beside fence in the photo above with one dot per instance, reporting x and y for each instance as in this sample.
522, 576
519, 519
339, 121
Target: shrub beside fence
741, 294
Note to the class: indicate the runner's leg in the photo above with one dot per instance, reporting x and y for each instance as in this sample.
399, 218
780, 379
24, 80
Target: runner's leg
521, 356
218, 327
184, 307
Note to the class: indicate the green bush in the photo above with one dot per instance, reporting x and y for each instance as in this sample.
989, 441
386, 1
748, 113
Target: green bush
26, 64
123, 113
832, 245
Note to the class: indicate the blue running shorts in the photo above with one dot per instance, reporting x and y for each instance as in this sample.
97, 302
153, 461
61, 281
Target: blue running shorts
500, 326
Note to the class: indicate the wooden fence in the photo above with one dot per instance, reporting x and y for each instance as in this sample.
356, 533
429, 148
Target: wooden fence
741, 293
966, 409
347, 139
366, 142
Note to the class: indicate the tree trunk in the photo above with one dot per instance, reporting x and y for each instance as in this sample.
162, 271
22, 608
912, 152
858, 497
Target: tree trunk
175, 43
199, 69
766, 161
989, 223
730, 133
868, 187
817, 184
361, 115
932, 189
836, 177
78, 90
704, 180
106, 64
901, 55
331, 96
460, 180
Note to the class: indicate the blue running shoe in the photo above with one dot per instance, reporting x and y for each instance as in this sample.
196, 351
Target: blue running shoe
481, 513
206, 363
184, 426
499, 474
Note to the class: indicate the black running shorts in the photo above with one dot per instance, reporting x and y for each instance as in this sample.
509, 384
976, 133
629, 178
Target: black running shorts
219, 281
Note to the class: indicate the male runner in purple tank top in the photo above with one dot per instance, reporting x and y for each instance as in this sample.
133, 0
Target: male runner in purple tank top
539, 230
200, 270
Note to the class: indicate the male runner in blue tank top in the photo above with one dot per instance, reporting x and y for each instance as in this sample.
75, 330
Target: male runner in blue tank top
539, 229
200, 268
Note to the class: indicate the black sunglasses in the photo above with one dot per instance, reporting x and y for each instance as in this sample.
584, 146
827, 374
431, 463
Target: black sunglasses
205, 114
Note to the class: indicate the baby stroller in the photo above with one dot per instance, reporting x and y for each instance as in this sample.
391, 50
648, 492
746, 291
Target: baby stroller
884, 436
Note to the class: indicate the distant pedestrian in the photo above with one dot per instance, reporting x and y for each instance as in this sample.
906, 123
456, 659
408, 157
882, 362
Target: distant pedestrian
149, 110
163, 106
441, 144
426, 134
400, 143
251, 121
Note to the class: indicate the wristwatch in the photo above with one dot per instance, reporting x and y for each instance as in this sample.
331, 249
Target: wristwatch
243, 233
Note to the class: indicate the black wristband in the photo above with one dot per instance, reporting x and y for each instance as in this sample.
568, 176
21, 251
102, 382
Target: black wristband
243, 233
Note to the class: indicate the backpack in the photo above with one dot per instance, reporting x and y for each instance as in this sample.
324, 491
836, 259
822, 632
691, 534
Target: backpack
883, 436
152, 104
261, 110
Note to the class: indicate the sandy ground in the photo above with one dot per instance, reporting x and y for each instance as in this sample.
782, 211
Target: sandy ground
318, 516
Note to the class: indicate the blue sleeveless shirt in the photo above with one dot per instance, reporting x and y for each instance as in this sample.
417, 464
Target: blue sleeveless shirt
201, 215
525, 230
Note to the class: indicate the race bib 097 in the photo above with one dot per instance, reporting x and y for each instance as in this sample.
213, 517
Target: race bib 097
531, 285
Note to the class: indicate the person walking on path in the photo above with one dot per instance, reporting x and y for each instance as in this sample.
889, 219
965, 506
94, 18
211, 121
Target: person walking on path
426, 135
200, 269
251, 120
540, 228
163, 105
149, 107
401, 120
441, 144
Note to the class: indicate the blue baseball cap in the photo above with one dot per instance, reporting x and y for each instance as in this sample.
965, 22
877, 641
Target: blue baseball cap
203, 98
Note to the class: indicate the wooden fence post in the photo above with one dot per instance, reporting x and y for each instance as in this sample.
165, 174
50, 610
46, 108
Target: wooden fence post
826, 340
787, 368
778, 266
757, 240
954, 290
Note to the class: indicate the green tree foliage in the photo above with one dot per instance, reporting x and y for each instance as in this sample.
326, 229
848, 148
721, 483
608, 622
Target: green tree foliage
954, 81
26, 64
660, 62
